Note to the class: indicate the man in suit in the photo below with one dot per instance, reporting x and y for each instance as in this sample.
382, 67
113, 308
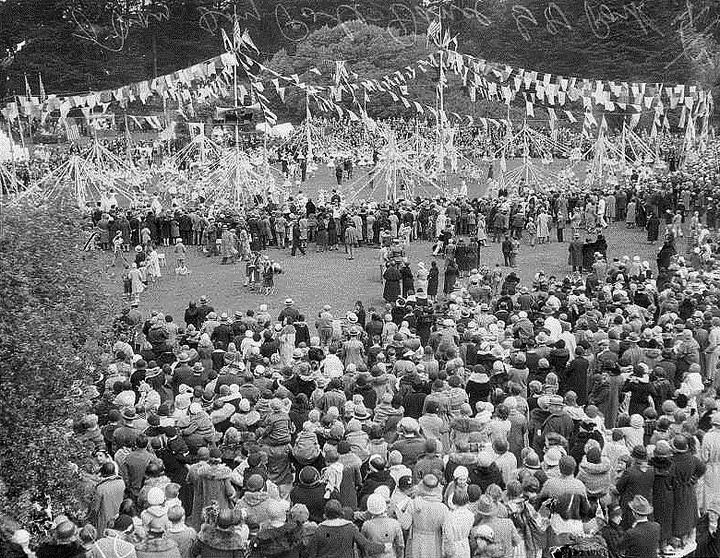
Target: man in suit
643, 538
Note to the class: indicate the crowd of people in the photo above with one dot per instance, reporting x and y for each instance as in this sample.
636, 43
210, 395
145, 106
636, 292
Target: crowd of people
497, 419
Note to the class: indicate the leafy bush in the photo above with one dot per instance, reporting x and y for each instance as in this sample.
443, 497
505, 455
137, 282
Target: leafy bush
54, 318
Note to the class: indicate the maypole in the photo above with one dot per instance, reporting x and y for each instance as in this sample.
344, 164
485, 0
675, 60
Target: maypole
308, 135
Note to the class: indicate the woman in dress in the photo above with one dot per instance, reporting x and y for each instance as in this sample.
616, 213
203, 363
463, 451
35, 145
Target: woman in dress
153, 265
433, 281
481, 230
286, 340
136, 282
451, 274
392, 283
630, 215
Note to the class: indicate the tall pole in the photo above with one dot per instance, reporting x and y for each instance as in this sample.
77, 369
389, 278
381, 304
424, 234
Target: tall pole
441, 95
235, 97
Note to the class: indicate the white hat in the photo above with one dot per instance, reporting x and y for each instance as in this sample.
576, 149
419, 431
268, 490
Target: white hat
156, 496
461, 472
376, 504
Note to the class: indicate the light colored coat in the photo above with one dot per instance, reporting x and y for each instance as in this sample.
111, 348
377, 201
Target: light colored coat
709, 487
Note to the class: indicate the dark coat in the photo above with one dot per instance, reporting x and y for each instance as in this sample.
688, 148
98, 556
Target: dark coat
663, 497
641, 541
313, 496
688, 469
433, 281
634, 481
392, 284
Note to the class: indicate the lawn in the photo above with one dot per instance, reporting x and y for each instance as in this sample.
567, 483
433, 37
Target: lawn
330, 278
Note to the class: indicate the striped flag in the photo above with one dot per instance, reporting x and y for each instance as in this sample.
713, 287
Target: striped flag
43, 95
433, 32
71, 130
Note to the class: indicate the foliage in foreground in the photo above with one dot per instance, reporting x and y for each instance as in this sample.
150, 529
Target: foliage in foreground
53, 318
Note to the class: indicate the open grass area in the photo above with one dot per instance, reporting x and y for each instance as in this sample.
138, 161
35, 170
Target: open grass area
330, 278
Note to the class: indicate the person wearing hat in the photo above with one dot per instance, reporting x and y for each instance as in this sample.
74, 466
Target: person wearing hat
278, 536
203, 309
636, 480
642, 540
289, 313
688, 470
211, 483
710, 455
308, 490
222, 539
505, 533
380, 528
109, 494
410, 444
424, 518
338, 537
64, 542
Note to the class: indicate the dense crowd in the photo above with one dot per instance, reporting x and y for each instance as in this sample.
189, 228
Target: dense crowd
486, 419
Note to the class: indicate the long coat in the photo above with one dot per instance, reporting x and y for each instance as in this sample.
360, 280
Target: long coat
425, 517
392, 284
634, 481
210, 482
710, 455
575, 256
688, 469
433, 281
109, 494
663, 496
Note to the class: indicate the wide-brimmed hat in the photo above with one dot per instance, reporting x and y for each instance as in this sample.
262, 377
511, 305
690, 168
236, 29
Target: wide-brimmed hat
183, 357
289, 302
640, 505
128, 413
486, 506
679, 444
361, 412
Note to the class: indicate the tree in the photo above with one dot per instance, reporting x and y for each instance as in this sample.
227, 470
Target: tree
54, 315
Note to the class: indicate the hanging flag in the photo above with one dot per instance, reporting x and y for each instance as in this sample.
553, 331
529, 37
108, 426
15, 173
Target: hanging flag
226, 40
529, 109
28, 92
71, 130
433, 32
238, 40
43, 95
247, 40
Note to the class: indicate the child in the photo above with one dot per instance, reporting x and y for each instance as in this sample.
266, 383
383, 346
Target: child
180, 255
172, 490
127, 283
268, 274
332, 474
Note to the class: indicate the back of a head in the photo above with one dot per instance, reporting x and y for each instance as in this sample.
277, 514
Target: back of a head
567, 465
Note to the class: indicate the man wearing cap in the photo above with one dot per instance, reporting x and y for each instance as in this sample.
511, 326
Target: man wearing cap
559, 420
424, 518
410, 444
643, 538
64, 542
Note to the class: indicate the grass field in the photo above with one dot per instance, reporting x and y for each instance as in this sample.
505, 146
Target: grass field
330, 278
